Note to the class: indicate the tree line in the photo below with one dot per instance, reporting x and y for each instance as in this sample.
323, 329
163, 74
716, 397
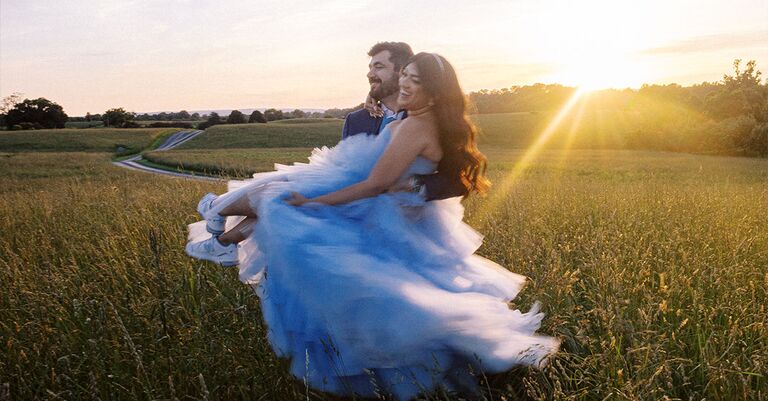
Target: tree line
728, 117
119, 117
41, 113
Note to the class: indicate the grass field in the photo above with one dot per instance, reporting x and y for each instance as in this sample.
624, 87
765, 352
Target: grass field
595, 129
303, 133
84, 124
228, 162
121, 141
652, 268
508, 130
225, 145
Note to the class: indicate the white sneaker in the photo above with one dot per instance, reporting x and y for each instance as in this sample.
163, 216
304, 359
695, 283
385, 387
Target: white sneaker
212, 250
216, 224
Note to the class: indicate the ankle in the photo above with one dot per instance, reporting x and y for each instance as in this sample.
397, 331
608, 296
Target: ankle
223, 242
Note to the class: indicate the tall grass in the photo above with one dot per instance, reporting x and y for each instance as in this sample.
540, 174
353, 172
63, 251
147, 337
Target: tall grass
98, 300
652, 268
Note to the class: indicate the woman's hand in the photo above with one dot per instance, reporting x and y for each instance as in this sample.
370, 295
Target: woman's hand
372, 106
297, 199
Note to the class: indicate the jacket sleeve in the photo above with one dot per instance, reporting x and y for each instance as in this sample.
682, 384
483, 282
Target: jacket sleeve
437, 187
345, 130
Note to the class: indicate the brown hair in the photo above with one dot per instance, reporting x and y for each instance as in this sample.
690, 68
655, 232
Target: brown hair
461, 161
399, 52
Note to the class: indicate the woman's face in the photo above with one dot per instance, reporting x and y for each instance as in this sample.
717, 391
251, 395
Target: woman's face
412, 95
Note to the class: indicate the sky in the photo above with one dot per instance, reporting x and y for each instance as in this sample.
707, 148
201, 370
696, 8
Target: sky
166, 55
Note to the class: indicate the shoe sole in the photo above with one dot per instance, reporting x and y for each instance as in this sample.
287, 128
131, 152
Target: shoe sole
212, 230
223, 263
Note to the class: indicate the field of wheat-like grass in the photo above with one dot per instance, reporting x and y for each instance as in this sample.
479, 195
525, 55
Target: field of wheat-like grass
652, 268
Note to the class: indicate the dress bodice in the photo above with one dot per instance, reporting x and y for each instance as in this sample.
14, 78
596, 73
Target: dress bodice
421, 165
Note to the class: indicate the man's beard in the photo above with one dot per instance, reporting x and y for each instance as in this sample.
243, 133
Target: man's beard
385, 89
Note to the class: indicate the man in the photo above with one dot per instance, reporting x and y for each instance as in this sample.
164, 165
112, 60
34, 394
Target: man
387, 59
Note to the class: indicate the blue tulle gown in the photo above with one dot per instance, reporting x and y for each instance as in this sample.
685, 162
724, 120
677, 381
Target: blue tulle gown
380, 295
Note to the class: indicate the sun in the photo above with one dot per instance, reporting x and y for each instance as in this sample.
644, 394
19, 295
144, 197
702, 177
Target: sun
595, 70
595, 45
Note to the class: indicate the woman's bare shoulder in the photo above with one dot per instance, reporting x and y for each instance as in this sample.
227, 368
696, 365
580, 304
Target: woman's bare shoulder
418, 126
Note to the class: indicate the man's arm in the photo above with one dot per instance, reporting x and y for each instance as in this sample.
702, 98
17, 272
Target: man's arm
345, 130
438, 186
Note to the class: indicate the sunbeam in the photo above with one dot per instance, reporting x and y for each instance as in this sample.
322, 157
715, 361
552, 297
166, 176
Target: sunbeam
503, 186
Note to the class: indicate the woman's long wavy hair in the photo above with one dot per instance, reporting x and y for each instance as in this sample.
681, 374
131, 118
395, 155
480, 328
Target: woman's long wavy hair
461, 161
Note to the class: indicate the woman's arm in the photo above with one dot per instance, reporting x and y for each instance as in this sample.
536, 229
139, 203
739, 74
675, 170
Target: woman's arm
406, 144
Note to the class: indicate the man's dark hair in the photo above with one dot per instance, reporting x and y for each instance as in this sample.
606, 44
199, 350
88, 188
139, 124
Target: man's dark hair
399, 52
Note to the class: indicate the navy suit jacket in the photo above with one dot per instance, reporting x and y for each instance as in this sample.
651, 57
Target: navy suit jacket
436, 185
360, 121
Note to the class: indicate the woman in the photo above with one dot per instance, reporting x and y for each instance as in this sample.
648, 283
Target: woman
369, 290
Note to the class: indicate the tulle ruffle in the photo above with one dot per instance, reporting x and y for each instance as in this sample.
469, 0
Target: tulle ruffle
383, 294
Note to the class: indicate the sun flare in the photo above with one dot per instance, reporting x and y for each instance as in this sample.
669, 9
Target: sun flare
599, 71
596, 45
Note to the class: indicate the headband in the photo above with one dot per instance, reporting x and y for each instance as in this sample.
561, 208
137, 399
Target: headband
439, 62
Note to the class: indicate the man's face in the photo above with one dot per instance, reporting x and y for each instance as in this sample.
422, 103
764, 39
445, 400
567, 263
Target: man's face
382, 76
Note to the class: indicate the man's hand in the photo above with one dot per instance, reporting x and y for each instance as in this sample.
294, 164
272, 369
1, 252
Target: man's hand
412, 184
296, 199
373, 108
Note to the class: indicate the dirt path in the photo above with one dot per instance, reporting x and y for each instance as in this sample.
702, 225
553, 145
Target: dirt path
171, 142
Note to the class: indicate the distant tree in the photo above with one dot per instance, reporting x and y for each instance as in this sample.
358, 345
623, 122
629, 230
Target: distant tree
758, 139
38, 111
117, 117
88, 116
182, 115
341, 113
257, 117
273, 114
213, 119
749, 78
194, 116
236, 117
6, 104
298, 113
170, 124
739, 94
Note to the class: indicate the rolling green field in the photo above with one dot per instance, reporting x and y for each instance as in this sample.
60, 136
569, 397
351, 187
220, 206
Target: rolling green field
228, 162
225, 146
652, 268
84, 124
80, 140
282, 134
